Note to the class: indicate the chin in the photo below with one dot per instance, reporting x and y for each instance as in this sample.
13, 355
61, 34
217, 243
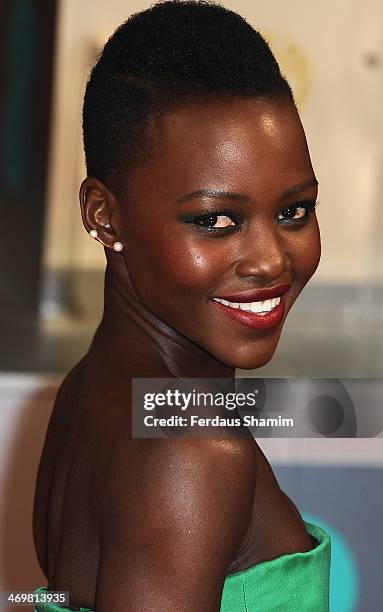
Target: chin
252, 363
255, 353
249, 360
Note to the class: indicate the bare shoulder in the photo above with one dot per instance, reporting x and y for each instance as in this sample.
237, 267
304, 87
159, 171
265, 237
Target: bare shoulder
214, 472
203, 451
166, 474
182, 520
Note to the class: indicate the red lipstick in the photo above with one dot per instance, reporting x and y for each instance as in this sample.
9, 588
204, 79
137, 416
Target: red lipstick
256, 295
255, 320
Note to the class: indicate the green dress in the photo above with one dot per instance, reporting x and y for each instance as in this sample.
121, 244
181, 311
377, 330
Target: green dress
289, 583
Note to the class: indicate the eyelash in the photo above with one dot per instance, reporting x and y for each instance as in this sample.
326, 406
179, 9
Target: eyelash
196, 220
308, 205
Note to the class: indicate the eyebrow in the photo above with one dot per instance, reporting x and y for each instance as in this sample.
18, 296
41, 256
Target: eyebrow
300, 187
213, 193
239, 197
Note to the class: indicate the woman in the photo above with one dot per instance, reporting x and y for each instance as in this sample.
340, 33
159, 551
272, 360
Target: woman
201, 189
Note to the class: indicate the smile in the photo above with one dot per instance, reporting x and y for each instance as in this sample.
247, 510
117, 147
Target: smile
259, 308
258, 314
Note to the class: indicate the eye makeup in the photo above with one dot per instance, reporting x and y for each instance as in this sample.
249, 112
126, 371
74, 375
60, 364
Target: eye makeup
222, 221
210, 221
297, 213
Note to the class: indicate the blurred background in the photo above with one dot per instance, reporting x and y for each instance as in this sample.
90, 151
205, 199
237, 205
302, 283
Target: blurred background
52, 273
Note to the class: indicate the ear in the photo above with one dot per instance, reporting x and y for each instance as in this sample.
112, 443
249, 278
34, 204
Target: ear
100, 212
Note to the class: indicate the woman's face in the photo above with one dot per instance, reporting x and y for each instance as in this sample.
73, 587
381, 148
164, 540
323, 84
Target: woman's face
222, 210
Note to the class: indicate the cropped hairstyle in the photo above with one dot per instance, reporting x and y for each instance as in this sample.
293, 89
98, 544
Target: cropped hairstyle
173, 53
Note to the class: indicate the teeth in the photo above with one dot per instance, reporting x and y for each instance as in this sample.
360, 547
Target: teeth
260, 308
257, 307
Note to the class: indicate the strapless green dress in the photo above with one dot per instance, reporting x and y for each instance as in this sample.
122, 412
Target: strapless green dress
290, 583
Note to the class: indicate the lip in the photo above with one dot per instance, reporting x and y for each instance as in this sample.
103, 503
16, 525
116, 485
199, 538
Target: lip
256, 295
254, 321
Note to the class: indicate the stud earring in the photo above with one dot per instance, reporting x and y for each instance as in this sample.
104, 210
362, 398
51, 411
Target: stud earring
93, 233
118, 246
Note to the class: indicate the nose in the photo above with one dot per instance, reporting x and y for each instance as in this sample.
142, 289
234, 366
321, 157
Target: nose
264, 256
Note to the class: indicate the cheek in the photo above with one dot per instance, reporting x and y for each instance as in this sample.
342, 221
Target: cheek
305, 252
164, 265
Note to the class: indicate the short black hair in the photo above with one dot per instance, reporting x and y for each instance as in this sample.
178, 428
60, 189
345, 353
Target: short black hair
174, 51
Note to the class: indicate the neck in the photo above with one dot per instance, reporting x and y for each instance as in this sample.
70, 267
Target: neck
135, 332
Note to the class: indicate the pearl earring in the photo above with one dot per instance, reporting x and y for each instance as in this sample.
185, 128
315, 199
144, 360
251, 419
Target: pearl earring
118, 246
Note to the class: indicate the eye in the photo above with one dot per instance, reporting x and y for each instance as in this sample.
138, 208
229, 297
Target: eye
297, 212
215, 221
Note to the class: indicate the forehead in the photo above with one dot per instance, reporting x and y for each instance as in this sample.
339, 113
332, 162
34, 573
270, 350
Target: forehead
234, 144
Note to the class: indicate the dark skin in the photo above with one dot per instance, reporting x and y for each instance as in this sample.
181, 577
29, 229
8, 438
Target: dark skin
134, 524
